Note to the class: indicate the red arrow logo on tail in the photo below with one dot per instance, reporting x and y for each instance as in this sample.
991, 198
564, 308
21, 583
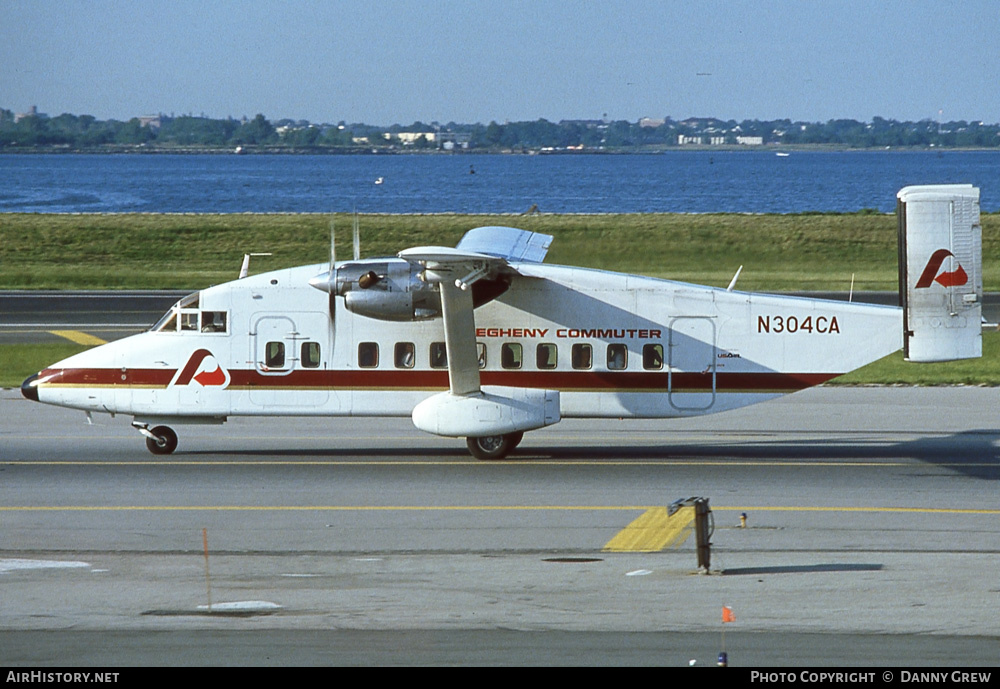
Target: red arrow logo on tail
946, 279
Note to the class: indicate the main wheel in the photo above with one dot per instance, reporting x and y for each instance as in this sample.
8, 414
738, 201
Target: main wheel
492, 446
165, 443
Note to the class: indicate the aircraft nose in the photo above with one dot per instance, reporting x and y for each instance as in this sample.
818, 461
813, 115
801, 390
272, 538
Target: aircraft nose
28, 388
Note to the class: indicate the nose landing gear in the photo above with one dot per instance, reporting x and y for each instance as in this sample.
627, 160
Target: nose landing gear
160, 440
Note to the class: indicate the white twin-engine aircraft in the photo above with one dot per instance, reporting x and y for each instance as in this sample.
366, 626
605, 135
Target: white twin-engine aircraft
484, 341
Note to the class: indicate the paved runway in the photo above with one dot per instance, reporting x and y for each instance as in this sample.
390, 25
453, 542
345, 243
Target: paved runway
34, 315
38, 315
872, 537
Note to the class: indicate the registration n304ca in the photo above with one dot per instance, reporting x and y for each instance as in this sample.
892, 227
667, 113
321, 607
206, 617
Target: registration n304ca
484, 341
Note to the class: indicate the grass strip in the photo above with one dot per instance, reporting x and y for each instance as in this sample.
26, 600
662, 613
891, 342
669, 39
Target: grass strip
18, 361
191, 251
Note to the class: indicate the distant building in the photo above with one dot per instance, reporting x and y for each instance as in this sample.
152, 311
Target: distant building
408, 138
750, 140
651, 122
151, 121
449, 140
32, 112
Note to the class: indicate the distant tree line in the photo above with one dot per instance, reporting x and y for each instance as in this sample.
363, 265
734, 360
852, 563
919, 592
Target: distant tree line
163, 132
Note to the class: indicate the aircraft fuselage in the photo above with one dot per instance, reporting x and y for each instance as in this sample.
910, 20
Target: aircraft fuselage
613, 345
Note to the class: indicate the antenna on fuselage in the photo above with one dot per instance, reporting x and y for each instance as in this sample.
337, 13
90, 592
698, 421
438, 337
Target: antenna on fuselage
732, 283
245, 268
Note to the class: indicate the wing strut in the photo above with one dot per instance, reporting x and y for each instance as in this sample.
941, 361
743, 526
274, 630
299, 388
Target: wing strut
460, 339
468, 409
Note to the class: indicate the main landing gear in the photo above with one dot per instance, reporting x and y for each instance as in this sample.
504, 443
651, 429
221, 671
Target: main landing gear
493, 446
160, 440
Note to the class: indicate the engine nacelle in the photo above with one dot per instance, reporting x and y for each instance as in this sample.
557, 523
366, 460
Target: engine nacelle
391, 289
389, 305
386, 289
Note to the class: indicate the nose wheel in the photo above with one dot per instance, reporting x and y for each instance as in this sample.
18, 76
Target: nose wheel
160, 440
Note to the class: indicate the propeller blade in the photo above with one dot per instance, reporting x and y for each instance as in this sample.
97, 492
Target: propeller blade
357, 238
333, 248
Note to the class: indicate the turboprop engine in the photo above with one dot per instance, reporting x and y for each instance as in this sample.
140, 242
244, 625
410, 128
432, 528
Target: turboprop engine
392, 289
386, 289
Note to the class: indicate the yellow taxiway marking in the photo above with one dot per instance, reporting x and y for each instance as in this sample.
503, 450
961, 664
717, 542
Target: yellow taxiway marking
79, 337
472, 508
653, 531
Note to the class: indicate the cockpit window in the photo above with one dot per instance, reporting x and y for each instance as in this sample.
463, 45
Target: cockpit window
167, 323
184, 316
213, 321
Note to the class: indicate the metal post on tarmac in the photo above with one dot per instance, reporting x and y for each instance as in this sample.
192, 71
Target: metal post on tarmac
704, 527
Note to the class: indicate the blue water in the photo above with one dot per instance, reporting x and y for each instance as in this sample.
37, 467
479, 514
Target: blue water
677, 181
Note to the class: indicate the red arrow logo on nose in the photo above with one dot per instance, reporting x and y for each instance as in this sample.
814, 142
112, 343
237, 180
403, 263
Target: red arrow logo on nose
216, 377
946, 279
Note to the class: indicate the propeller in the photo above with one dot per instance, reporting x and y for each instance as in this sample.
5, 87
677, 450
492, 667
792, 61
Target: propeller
357, 237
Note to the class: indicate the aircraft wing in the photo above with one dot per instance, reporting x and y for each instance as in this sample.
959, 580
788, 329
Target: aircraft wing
483, 252
467, 409
455, 271
507, 242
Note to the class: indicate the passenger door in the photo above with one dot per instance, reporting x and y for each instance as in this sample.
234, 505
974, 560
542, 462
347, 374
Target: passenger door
692, 363
291, 359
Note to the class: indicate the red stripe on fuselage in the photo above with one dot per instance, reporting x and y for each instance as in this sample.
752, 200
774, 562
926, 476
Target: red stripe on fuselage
104, 377
638, 381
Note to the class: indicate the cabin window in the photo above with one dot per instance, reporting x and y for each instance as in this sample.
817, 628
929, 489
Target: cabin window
403, 355
652, 357
189, 320
481, 353
213, 321
511, 355
439, 355
617, 357
274, 355
310, 355
368, 354
583, 356
546, 355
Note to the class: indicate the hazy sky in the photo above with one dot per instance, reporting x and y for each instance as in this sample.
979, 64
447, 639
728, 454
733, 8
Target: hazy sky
480, 60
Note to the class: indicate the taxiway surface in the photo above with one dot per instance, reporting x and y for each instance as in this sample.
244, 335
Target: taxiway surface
872, 537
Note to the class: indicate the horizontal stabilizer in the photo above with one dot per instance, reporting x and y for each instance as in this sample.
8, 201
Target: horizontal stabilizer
940, 272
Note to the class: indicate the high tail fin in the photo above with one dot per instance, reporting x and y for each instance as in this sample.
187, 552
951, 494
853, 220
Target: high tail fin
940, 272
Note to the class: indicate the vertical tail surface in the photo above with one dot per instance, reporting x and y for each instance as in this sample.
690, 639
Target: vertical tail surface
940, 272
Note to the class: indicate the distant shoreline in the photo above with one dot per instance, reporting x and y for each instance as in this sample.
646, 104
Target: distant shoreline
367, 150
